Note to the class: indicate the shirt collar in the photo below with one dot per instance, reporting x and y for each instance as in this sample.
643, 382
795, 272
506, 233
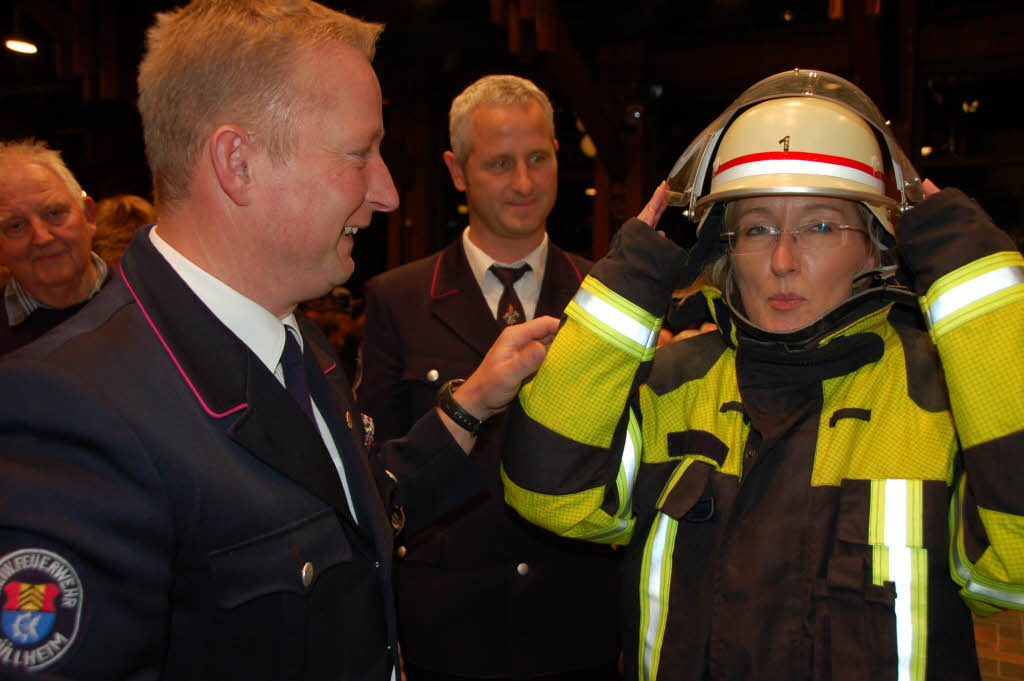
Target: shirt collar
21, 304
253, 324
480, 262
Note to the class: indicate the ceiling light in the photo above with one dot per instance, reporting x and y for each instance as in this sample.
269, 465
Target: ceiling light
22, 46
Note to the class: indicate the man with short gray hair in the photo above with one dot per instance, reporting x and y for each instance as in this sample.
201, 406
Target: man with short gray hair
526, 605
46, 228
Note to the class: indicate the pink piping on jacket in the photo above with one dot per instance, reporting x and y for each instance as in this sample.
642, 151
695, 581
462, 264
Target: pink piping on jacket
433, 283
574, 268
175, 359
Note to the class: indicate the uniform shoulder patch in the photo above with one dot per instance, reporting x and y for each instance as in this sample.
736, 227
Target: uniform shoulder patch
40, 608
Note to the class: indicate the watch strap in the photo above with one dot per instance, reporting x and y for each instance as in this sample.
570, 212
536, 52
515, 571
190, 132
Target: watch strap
446, 402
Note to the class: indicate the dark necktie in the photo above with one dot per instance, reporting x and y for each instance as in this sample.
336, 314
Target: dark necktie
295, 373
510, 308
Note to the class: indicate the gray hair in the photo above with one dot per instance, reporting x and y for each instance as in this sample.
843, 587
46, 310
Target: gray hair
217, 61
36, 151
494, 90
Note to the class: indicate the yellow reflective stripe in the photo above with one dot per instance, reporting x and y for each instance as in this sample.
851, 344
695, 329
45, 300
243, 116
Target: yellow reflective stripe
895, 531
879, 564
615, 319
919, 613
655, 580
961, 295
624, 481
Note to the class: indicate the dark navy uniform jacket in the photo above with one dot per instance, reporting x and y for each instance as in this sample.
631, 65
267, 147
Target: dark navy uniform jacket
481, 593
168, 511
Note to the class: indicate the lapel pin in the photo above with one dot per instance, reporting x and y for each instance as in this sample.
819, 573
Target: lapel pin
368, 439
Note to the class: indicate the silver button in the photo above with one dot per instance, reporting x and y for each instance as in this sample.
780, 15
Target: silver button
523, 569
307, 574
433, 375
400, 552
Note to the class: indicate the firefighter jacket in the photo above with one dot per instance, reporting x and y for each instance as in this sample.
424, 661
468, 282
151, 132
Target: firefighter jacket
815, 505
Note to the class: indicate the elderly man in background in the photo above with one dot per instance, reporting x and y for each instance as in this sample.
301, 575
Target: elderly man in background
46, 230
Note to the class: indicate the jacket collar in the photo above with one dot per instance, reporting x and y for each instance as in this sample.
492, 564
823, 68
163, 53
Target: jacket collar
456, 299
229, 383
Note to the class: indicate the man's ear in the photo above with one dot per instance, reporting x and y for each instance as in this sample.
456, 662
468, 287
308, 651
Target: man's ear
231, 152
89, 212
455, 170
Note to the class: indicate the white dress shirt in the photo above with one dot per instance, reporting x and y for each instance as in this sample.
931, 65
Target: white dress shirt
254, 325
527, 286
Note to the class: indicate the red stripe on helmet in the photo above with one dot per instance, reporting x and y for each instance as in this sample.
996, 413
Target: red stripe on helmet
801, 156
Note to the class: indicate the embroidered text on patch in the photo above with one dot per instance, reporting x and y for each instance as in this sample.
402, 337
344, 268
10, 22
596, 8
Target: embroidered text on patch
40, 608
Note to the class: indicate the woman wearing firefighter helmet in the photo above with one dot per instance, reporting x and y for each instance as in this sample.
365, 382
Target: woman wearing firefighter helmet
815, 489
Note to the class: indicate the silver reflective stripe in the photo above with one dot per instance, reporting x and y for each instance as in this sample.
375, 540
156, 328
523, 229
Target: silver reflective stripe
616, 319
628, 464
964, 572
900, 571
654, 596
974, 290
961, 570
626, 477
994, 594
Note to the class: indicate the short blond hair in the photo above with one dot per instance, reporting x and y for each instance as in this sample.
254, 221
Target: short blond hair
495, 90
36, 151
230, 61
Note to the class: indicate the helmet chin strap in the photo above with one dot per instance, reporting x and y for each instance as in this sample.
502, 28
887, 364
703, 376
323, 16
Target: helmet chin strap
875, 281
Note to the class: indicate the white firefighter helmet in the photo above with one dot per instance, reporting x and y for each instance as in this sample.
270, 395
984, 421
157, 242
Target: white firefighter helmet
797, 132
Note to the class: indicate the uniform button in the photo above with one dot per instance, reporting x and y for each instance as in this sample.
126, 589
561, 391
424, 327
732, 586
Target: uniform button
307, 574
433, 375
523, 569
400, 552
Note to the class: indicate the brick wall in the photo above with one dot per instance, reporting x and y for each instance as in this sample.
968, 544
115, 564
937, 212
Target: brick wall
1000, 640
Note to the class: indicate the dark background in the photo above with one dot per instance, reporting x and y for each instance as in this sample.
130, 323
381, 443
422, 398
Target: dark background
640, 78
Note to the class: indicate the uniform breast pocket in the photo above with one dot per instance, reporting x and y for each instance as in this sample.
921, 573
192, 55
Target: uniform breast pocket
263, 589
871, 609
424, 375
682, 487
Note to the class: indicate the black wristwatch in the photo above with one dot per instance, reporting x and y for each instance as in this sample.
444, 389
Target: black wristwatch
446, 401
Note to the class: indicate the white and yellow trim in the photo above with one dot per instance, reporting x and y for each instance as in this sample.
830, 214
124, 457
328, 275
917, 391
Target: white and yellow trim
655, 586
971, 291
895, 531
629, 463
614, 318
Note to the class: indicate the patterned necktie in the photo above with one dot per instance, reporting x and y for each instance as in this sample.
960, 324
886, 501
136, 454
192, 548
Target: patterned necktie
510, 308
295, 373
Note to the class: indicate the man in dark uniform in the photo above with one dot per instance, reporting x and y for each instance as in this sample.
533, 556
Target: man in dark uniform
186, 488
482, 594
